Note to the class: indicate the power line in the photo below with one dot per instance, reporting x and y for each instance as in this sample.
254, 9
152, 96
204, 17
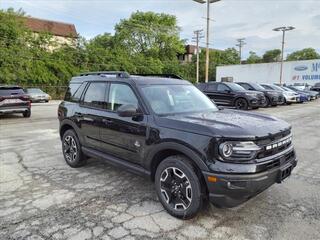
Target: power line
240, 44
199, 35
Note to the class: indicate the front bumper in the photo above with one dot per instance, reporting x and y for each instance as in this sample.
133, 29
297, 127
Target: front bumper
232, 189
293, 99
257, 102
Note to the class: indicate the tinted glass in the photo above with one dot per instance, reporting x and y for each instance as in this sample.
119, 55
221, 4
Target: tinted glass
11, 91
245, 85
171, 99
223, 87
95, 95
257, 86
235, 87
212, 87
73, 87
77, 95
121, 94
267, 87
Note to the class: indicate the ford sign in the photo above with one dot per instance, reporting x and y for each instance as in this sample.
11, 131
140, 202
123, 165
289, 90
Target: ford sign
301, 68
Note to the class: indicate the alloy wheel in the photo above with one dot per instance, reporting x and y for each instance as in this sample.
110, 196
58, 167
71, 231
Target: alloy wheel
70, 148
175, 188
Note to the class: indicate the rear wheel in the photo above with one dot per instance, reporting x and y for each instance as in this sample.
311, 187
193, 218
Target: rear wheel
27, 114
72, 149
178, 187
241, 104
267, 103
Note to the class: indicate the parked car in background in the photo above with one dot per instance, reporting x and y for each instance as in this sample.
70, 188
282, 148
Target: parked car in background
302, 86
14, 100
168, 131
313, 94
232, 95
316, 87
303, 96
37, 95
289, 96
273, 97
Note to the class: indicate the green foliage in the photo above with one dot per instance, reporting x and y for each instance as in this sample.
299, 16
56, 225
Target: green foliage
253, 58
271, 56
304, 54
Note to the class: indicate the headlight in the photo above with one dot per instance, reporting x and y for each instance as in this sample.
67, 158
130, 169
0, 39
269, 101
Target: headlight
252, 94
238, 150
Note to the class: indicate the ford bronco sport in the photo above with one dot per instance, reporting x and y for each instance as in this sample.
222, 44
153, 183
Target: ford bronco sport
168, 130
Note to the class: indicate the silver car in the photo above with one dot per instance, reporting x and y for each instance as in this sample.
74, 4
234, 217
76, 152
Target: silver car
37, 95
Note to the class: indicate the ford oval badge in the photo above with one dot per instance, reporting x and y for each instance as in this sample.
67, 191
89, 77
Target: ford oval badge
301, 68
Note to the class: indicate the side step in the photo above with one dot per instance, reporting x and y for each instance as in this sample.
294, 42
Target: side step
128, 166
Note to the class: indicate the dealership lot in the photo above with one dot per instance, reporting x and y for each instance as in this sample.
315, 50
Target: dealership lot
43, 198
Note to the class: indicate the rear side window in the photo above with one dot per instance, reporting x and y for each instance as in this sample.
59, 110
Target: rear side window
95, 95
212, 87
74, 92
223, 87
11, 91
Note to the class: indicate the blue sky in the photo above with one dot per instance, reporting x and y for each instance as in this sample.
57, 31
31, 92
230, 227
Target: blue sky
252, 19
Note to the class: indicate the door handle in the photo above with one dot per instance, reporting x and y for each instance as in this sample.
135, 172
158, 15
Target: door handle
107, 121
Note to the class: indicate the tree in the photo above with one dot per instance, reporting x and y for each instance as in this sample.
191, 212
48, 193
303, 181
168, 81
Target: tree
304, 54
271, 56
253, 58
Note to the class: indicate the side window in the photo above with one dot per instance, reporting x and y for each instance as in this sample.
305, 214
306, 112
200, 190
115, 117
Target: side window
245, 86
120, 94
267, 87
95, 95
77, 95
212, 87
71, 90
223, 87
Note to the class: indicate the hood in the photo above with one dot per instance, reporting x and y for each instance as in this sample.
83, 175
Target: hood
249, 91
226, 123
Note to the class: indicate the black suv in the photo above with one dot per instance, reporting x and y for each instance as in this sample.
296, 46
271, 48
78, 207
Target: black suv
14, 100
232, 95
273, 97
168, 130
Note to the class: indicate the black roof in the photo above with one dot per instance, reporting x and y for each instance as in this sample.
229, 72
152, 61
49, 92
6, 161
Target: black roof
125, 77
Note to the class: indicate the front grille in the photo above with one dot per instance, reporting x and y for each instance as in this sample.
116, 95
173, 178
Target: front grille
273, 147
277, 162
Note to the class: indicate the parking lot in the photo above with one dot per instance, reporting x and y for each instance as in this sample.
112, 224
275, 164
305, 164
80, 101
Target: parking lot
41, 197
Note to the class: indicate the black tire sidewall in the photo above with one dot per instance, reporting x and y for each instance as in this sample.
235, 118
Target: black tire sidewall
245, 101
27, 114
181, 163
80, 159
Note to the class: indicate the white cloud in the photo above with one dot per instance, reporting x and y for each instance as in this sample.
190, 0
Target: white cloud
253, 19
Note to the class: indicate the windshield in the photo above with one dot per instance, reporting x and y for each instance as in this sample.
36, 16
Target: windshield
172, 99
274, 87
235, 87
287, 89
34, 90
257, 86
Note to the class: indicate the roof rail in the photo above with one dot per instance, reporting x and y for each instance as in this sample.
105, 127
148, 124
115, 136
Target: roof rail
119, 74
164, 75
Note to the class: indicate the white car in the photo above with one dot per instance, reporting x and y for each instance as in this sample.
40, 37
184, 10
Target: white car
37, 95
289, 96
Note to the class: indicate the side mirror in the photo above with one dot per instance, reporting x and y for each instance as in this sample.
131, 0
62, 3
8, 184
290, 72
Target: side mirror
128, 110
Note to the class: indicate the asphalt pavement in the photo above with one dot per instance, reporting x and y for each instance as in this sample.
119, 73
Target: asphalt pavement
41, 197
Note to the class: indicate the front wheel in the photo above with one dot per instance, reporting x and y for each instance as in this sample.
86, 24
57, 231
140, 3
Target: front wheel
241, 104
178, 187
72, 149
27, 114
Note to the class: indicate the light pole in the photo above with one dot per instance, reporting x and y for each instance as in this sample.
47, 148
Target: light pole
207, 37
197, 38
240, 45
283, 29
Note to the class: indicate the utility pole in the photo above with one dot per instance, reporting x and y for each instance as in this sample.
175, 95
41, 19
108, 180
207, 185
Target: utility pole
199, 35
207, 34
240, 44
283, 29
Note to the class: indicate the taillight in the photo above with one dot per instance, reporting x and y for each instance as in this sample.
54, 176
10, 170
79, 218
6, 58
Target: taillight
1, 98
25, 98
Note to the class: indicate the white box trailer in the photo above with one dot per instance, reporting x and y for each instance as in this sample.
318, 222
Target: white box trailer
293, 72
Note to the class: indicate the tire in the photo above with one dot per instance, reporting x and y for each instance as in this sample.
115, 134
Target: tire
71, 149
241, 104
267, 103
178, 187
27, 114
